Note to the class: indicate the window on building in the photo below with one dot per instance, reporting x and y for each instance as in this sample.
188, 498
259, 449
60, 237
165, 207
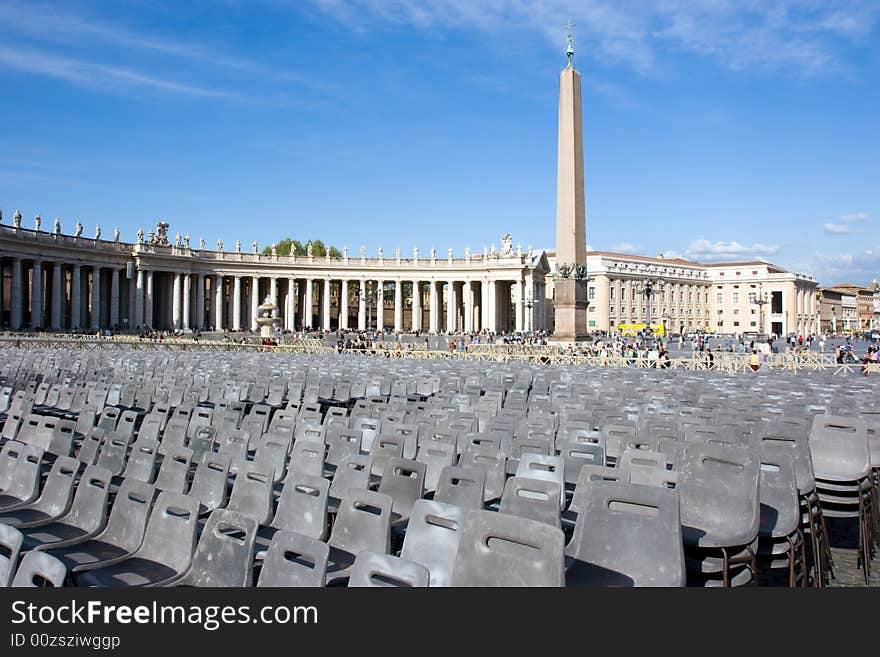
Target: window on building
623, 294
736, 311
736, 297
611, 311
611, 297
721, 323
592, 293
719, 298
690, 297
752, 311
754, 271
738, 273
736, 323
754, 323
634, 310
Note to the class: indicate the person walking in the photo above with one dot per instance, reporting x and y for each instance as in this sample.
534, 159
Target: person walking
754, 361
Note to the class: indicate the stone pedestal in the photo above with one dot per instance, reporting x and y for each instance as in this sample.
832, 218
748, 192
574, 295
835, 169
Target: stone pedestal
570, 306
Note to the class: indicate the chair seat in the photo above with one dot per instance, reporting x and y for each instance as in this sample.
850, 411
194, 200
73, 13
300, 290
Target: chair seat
130, 572
54, 532
80, 557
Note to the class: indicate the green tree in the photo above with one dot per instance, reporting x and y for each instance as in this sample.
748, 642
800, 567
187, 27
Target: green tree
289, 246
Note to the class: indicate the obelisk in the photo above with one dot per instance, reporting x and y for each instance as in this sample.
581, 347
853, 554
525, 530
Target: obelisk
570, 297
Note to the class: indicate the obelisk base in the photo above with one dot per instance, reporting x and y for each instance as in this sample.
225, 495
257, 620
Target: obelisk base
570, 310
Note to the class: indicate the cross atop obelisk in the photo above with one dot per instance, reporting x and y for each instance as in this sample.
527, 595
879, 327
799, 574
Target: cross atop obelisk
571, 243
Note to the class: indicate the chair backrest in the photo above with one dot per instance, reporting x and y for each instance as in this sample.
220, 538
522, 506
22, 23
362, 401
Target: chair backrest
252, 491
385, 447
462, 487
39, 569
302, 507
796, 439
126, 423
493, 463
363, 522
128, 517
271, 450
114, 453
10, 542
142, 460
432, 538
404, 483
354, 472
778, 494
170, 537
627, 535
202, 440
594, 473
342, 443
308, 458
89, 508
436, 455
537, 499
294, 560
545, 468
497, 549
24, 462
210, 480
57, 492
839, 448
373, 569
224, 554
174, 470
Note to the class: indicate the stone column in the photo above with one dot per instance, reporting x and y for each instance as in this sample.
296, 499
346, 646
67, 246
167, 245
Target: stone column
492, 310
273, 290
433, 307
37, 294
95, 315
187, 306
362, 305
148, 299
380, 305
15, 297
200, 301
518, 309
175, 302
55, 319
602, 304
416, 307
398, 306
450, 307
343, 304
139, 299
75, 296
217, 291
236, 303
114, 297
307, 307
326, 304
468, 294
255, 302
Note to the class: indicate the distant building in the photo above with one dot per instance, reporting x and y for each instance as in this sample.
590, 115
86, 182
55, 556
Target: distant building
865, 303
838, 310
694, 296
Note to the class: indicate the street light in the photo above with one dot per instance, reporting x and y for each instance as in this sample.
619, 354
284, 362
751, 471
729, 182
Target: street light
648, 288
531, 303
759, 300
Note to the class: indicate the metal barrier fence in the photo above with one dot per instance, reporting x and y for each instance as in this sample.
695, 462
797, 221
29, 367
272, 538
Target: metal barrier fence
535, 355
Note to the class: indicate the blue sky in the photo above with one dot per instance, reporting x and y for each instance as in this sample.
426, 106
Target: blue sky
713, 129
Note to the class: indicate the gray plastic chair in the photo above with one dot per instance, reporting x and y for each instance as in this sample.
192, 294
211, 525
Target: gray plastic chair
54, 500
436, 455
90, 446
114, 453
210, 482
121, 537
545, 468
302, 507
353, 472
10, 542
497, 549
24, 483
626, 535
385, 447
142, 460
294, 560
462, 487
404, 483
87, 515
224, 554
307, 458
342, 444
38, 569
362, 523
165, 554
271, 452
432, 538
373, 569
535, 499
252, 492
839, 448
174, 471
493, 463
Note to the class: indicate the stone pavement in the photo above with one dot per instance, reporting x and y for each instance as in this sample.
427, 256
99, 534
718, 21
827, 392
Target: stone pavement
843, 534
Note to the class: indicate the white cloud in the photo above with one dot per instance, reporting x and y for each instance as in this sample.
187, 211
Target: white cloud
859, 268
836, 229
627, 247
850, 218
741, 35
706, 250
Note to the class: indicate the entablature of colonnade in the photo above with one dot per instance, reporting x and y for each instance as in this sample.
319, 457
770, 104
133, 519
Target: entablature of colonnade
50, 246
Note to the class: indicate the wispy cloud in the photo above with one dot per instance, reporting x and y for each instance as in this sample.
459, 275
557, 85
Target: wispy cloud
627, 247
835, 229
740, 35
859, 268
842, 225
98, 76
851, 218
703, 249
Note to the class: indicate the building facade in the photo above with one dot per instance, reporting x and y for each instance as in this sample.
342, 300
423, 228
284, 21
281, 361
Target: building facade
685, 296
865, 303
838, 310
62, 282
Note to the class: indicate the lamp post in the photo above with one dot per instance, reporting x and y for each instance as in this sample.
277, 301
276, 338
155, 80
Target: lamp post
648, 288
759, 300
